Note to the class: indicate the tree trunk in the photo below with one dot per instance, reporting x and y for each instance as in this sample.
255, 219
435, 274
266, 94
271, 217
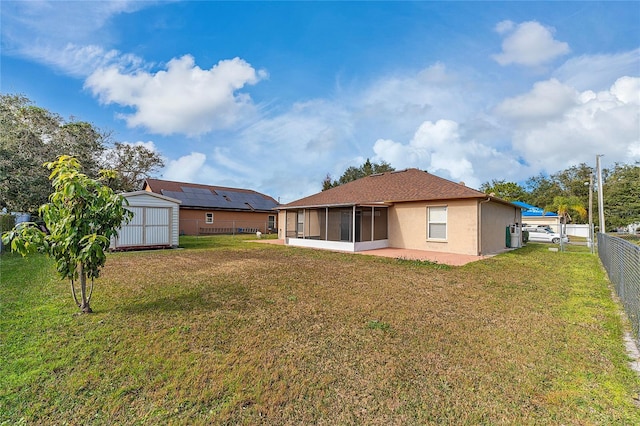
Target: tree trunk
86, 309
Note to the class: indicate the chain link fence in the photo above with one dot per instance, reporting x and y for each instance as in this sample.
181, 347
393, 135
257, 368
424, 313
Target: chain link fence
621, 259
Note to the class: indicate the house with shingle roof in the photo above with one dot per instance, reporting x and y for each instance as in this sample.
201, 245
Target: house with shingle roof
207, 209
409, 209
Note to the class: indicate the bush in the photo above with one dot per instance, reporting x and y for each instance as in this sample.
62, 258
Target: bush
7, 222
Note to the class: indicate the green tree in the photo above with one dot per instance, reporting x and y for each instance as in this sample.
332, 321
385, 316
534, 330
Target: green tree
353, 173
133, 163
81, 217
622, 195
571, 181
564, 206
541, 190
509, 191
327, 183
31, 136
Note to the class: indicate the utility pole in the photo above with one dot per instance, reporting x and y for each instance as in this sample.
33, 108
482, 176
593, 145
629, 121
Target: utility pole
591, 243
600, 198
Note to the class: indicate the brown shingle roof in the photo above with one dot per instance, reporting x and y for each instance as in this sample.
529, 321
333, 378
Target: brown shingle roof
390, 187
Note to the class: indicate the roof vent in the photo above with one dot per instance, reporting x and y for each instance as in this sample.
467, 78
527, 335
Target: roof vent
376, 174
462, 183
399, 171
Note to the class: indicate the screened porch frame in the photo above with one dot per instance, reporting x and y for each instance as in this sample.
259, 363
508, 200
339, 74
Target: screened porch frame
329, 227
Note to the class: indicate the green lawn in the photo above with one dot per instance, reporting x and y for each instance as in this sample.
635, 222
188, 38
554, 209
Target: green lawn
227, 331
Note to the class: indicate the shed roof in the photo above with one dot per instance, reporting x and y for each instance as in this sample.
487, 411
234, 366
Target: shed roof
391, 187
134, 194
194, 195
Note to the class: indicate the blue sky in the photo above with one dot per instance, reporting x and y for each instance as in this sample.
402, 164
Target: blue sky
272, 96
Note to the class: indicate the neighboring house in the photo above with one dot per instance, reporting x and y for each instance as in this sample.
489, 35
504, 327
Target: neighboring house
206, 209
154, 223
408, 209
534, 216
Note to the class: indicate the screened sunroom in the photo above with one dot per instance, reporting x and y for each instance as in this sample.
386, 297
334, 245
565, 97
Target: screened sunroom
346, 228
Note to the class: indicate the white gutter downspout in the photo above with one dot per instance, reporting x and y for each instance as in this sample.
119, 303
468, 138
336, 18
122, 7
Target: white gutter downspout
480, 224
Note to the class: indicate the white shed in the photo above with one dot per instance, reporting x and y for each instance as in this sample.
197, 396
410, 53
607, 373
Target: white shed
154, 223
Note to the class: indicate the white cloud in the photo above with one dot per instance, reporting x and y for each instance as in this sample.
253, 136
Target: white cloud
65, 35
529, 43
403, 102
181, 99
323, 136
440, 149
187, 168
627, 90
148, 145
597, 72
547, 100
503, 27
606, 122
293, 151
401, 119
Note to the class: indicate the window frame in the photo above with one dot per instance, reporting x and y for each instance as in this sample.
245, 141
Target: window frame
208, 220
435, 222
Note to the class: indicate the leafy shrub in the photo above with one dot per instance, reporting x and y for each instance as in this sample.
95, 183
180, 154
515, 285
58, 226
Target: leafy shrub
7, 222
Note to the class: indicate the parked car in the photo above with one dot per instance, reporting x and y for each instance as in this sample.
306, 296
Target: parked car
539, 234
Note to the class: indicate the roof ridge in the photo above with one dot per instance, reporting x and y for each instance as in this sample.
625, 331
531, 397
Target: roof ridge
405, 185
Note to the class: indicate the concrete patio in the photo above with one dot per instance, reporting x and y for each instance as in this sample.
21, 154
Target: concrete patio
396, 253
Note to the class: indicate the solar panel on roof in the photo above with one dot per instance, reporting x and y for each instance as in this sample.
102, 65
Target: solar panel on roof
189, 189
202, 197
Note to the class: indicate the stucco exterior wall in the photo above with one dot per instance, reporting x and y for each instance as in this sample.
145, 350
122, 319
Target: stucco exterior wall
495, 219
468, 229
192, 220
408, 227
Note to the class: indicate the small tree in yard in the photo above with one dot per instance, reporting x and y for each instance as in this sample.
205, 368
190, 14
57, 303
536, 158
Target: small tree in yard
81, 217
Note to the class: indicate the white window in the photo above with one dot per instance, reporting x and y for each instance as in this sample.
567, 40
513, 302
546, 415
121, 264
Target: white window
208, 217
437, 223
271, 223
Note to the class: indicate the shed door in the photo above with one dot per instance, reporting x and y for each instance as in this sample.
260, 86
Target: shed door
156, 229
149, 226
132, 234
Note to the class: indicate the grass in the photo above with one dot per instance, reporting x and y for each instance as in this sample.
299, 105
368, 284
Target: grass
635, 239
226, 331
